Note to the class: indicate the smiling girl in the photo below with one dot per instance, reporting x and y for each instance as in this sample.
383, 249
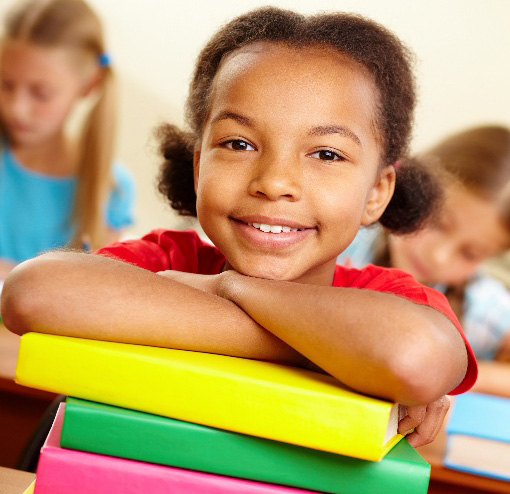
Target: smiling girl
295, 125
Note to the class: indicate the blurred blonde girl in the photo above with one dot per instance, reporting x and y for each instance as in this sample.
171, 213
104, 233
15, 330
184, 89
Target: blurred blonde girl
56, 191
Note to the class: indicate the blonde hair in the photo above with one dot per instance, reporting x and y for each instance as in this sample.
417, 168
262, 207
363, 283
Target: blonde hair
71, 24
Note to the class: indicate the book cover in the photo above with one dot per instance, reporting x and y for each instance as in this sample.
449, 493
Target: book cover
63, 471
478, 435
108, 430
262, 399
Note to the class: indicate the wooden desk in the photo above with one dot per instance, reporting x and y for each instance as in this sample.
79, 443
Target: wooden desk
21, 408
14, 481
444, 480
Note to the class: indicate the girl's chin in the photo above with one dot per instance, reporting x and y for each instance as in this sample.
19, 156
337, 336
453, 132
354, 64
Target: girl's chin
278, 273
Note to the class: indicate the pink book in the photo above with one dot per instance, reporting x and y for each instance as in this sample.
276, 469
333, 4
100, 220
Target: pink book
64, 471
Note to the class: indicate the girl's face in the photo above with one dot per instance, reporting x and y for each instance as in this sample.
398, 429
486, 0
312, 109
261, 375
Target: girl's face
38, 87
468, 232
288, 167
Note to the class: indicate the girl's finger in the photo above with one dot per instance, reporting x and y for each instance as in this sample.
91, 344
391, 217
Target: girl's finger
414, 417
425, 432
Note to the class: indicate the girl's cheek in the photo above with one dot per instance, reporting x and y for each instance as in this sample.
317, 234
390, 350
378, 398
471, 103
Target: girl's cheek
460, 272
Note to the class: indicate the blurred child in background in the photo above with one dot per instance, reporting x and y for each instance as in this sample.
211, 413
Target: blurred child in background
473, 226
57, 191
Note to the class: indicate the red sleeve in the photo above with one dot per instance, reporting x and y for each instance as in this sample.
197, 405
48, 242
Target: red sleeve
166, 249
389, 280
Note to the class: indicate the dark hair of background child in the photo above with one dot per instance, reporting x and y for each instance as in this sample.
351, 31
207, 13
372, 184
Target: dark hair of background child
368, 43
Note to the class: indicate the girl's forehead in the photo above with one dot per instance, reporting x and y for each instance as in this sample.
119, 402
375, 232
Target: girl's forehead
332, 87
472, 213
303, 68
277, 56
30, 60
26, 51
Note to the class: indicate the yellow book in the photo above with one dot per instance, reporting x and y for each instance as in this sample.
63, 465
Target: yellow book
262, 399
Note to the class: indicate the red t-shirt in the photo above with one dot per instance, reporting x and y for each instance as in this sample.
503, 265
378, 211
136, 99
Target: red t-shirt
184, 251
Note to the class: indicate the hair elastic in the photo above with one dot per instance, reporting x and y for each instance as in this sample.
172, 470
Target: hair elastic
396, 165
104, 60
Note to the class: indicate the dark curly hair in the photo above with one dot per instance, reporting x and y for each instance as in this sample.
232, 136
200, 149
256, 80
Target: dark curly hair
368, 43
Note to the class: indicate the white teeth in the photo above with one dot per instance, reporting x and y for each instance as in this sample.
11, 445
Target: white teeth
273, 228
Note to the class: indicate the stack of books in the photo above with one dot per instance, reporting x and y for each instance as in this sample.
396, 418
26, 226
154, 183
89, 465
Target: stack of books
152, 420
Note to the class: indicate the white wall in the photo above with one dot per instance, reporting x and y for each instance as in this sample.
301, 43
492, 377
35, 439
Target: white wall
463, 69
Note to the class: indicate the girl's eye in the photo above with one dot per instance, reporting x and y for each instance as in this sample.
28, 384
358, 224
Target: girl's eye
238, 145
42, 94
442, 224
327, 155
5, 85
472, 256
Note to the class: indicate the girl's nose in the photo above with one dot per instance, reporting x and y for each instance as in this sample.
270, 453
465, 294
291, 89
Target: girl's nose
277, 177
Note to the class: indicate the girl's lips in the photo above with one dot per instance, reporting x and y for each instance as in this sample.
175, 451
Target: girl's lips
266, 220
17, 127
275, 233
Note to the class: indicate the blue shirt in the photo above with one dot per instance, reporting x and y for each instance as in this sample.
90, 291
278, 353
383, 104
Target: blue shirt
36, 209
486, 306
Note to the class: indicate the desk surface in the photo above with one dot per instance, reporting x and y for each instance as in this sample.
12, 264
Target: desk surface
14, 481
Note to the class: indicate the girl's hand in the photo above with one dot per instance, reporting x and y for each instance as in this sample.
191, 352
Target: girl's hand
426, 420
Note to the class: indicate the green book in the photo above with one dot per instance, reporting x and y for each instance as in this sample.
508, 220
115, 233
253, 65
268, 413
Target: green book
108, 430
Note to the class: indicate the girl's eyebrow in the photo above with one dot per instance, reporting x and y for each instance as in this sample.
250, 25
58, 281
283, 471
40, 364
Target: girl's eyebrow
323, 130
320, 130
225, 115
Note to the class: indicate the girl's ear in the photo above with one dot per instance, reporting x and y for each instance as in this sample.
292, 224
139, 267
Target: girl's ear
196, 168
379, 196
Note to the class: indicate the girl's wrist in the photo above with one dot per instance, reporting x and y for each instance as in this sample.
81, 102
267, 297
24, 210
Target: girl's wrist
229, 285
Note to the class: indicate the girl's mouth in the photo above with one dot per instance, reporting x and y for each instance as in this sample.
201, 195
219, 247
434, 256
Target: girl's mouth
274, 228
272, 233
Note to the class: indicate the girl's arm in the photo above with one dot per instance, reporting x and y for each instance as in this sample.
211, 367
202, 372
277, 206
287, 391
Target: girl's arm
375, 342
413, 356
503, 353
493, 378
91, 296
